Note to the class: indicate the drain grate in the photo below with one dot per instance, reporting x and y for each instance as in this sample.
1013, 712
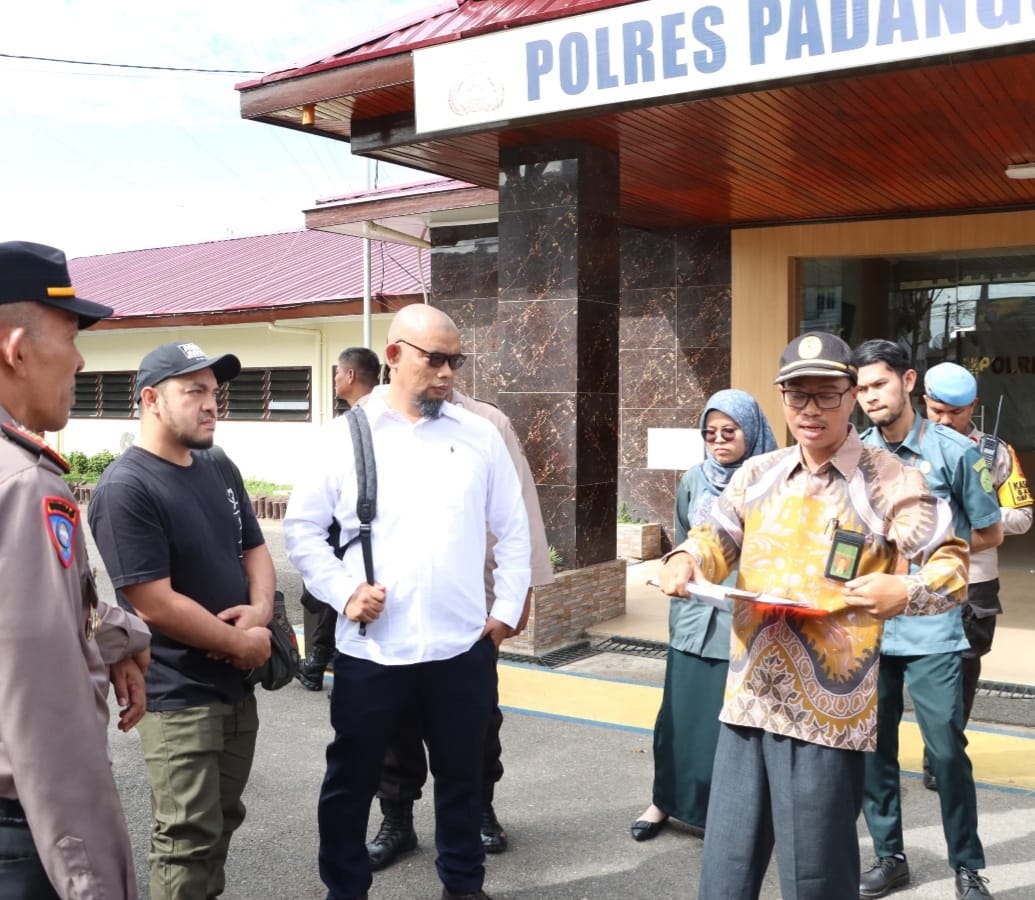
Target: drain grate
1009, 691
633, 647
555, 658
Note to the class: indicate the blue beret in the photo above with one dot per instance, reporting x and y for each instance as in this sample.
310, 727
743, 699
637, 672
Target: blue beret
950, 384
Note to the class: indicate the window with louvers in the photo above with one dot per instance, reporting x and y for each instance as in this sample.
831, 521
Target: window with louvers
263, 395
104, 395
273, 395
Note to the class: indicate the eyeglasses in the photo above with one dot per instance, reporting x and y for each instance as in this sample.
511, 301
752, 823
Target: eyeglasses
711, 435
824, 399
436, 359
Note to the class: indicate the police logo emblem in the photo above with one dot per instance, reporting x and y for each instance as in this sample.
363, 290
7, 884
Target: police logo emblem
60, 517
810, 347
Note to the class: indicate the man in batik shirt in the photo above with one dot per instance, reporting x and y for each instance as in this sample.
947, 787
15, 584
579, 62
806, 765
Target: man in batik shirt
801, 700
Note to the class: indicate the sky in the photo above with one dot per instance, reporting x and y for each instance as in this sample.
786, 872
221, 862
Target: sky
97, 159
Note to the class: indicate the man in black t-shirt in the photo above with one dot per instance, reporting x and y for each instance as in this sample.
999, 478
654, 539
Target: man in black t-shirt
185, 552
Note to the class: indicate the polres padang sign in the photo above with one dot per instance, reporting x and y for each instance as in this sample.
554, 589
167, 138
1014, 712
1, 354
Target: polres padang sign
662, 48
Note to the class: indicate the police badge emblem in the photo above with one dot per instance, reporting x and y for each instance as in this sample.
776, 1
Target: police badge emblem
60, 517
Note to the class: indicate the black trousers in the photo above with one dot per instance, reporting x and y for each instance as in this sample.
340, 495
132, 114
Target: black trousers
318, 628
979, 619
22, 876
453, 699
405, 767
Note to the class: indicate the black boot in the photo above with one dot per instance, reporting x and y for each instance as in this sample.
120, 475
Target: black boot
311, 669
396, 835
494, 837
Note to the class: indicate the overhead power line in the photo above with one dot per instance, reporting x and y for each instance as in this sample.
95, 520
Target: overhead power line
84, 62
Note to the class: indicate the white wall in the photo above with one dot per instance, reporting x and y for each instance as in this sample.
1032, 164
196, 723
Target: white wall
267, 450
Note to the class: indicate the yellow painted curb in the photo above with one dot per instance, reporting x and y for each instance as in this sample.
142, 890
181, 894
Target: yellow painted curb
1001, 759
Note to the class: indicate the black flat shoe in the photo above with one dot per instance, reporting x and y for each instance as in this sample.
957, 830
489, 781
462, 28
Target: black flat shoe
642, 830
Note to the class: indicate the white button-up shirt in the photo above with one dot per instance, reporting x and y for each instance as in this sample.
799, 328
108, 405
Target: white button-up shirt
440, 483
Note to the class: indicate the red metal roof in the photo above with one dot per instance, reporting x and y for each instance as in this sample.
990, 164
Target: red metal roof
249, 273
449, 20
433, 185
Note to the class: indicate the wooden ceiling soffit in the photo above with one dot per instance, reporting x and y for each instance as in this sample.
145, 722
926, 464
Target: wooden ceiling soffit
282, 102
384, 132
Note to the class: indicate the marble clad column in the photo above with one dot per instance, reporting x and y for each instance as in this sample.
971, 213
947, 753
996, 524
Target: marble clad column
558, 335
464, 286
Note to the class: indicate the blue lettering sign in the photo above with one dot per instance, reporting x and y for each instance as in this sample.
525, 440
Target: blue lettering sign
672, 45
573, 56
849, 32
538, 61
764, 20
990, 17
890, 22
638, 37
953, 12
714, 58
605, 77
804, 31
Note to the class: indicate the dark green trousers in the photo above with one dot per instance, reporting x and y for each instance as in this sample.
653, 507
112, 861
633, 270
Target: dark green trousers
935, 686
198, 760
685, 735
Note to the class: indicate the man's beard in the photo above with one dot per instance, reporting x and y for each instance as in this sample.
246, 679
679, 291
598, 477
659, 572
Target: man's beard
195, 443
888, 416
430, 407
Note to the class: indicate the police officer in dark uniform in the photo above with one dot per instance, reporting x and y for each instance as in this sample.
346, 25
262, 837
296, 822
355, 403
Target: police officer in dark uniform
62, 828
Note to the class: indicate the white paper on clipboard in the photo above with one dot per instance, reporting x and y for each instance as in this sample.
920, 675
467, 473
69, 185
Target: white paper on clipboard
721, 596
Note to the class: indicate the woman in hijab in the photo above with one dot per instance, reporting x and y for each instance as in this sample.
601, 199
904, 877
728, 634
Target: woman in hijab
687, 728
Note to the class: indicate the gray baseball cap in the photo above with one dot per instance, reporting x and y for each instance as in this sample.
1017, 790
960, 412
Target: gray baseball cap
182, 358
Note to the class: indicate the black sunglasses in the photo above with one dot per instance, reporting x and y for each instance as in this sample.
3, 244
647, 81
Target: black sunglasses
728, 433
437, 359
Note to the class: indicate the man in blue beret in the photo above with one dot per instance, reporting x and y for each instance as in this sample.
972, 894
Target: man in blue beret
950, 395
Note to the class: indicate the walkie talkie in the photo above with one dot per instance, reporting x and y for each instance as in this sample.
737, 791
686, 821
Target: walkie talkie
988, 446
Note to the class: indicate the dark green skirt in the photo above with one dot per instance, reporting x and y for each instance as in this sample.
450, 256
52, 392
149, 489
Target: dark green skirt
685, 735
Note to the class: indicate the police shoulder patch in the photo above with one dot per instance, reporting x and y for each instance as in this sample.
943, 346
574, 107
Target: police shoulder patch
61, 518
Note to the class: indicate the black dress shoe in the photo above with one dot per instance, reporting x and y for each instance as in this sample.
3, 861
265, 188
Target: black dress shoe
395, 836
477, 895
494, 838
886, 874
971, 886
642, 830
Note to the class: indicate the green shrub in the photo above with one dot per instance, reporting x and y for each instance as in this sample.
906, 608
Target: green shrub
556, 560
628, 516
85, 468
256, 487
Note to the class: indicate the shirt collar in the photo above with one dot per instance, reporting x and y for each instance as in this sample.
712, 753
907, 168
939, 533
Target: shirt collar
911, 441
845, 459
376, 407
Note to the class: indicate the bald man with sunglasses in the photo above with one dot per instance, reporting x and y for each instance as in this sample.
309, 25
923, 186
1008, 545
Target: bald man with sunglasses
428, 649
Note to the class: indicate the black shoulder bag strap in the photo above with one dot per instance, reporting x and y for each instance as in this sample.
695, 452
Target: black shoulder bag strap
366, 488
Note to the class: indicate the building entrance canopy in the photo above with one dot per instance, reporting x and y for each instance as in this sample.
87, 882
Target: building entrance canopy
921, 136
